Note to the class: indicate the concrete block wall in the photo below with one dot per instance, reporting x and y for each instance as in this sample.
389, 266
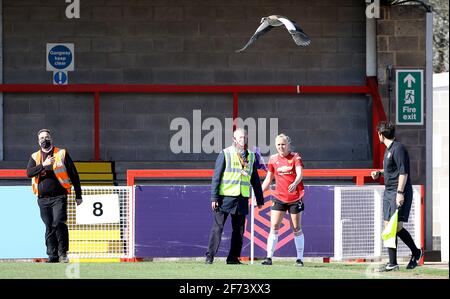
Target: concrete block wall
187, 42
401, 43
70, 118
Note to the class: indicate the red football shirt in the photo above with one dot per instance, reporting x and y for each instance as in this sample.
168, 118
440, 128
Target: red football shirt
283, 169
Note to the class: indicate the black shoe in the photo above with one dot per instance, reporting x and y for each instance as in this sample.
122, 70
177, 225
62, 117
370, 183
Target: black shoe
267, 261
415, 260
209, 260
390, 267
52, 260
299, 263
237, 262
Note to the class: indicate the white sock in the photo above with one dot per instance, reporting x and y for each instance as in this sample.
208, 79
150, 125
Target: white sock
272, 241
300, 246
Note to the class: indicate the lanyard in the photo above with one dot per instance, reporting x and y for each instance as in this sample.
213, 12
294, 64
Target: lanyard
243, 164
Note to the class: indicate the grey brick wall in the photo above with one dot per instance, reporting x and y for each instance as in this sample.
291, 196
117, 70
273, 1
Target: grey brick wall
401, 43
187, 42
25, 114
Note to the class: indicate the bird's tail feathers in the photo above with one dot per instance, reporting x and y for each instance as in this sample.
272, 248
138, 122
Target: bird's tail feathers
301, 38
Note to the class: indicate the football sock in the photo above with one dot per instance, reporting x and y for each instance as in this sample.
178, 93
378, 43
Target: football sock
300, 245
405, 236
272, 241
392, 252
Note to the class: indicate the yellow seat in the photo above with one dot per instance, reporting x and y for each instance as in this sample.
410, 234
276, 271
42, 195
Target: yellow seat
96, 176
95, 260
94, 235
93, 167
99, 241
88, 246
95, 173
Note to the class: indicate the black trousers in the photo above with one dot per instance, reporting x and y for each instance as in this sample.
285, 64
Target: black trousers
54, 215
237, 235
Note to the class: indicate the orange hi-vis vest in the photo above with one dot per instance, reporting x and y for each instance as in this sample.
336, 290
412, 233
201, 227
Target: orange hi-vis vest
58, 168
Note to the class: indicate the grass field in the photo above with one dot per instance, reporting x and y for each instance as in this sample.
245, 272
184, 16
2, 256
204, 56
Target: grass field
198, 270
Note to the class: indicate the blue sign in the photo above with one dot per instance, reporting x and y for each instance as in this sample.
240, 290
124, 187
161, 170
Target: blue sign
60, 78
60, 57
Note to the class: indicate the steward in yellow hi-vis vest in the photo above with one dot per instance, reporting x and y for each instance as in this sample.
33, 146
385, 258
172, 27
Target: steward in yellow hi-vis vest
53, 174
234, 174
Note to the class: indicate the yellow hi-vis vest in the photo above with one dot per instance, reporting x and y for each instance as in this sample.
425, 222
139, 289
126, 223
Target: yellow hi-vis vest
58, 168
234, 182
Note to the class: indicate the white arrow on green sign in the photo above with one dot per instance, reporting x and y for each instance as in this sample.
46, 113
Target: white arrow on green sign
409, 97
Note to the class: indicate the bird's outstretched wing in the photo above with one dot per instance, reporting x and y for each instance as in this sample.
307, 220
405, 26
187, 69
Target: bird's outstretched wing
263, 28
299, 36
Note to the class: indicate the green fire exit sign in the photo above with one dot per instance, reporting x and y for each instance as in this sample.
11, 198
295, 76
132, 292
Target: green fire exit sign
409, 97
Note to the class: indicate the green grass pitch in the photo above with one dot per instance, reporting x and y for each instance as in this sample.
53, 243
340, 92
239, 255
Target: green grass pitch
198, 270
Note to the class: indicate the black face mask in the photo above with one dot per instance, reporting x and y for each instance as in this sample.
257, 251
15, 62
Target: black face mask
46, 144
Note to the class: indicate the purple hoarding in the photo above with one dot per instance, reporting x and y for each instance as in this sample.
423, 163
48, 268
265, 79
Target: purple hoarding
174, 221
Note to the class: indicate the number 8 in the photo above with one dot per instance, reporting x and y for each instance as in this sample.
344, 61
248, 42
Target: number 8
98, 209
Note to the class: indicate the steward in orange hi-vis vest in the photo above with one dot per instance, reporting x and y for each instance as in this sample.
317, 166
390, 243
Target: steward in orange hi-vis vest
53, 173
58, 168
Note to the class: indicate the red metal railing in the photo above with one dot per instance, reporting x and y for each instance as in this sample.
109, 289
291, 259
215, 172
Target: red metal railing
132, 174
97, 89
378, 115
13, 173
150, 88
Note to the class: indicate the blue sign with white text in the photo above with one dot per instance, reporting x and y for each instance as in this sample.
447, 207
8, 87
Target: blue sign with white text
60, 57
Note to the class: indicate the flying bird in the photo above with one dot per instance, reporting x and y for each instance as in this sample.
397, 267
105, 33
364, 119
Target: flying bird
267, 23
